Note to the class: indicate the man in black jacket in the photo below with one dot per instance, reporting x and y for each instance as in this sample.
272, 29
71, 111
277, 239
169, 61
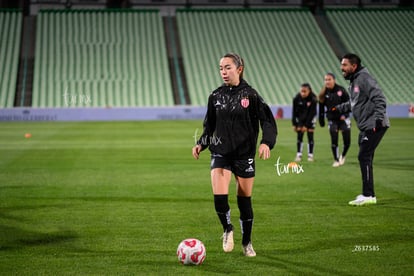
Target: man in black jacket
368, 105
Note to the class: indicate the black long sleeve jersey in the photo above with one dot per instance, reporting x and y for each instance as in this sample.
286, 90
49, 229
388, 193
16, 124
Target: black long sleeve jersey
333, 97
231, 124
304, 110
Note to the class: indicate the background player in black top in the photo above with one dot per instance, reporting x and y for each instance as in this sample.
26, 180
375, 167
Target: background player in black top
303, 119
235, 112
330, 96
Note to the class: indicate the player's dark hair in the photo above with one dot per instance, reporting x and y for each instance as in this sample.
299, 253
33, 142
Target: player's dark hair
331, 74
353, 59
307, 85
237, 60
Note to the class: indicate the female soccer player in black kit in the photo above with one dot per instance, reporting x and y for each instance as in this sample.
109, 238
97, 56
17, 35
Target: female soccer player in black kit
303, 119
330, 96
235, 112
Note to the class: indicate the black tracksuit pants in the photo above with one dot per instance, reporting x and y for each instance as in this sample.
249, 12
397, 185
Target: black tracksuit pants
368, 142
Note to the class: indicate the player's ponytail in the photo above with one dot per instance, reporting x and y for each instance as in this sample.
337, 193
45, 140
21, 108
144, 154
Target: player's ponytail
323, 90
321, 95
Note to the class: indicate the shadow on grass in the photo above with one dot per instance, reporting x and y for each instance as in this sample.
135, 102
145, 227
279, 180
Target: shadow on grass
302, 268
131, 199
289, 259
15, 238
395, 203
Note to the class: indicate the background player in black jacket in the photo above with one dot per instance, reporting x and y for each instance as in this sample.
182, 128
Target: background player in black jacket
303, 119
231, 128
330, 96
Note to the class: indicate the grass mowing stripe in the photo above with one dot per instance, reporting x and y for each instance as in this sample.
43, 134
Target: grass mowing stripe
105, 198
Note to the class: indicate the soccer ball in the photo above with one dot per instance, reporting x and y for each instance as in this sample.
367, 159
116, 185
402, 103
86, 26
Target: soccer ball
191, 252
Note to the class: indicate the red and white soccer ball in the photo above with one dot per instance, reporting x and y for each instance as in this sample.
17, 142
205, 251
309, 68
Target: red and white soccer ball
191, 252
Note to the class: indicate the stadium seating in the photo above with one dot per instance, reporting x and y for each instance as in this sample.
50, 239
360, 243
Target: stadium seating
10, 38
384, 40
281, 49
108, 58
101, 58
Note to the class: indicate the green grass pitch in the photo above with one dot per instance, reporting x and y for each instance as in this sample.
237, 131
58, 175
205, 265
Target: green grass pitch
116, 198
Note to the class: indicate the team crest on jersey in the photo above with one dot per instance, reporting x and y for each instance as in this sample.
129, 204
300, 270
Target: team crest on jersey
244, 102
339, 93
308, 104
356, 89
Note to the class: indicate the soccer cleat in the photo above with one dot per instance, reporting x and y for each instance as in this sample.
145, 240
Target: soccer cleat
336, 164
298, 158
363, 200
341, 160
228, 243
248, 250
310, 158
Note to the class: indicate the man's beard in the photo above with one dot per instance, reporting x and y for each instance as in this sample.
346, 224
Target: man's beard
347, 76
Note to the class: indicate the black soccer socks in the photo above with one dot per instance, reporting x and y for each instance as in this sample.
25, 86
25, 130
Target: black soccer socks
222, 207
246, 218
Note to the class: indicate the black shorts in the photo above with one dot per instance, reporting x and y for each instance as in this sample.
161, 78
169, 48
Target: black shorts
245, 168
310, 125
336, 125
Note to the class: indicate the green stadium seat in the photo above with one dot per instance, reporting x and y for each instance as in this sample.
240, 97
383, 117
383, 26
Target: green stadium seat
117, 58
384, 40
10, 38
281, 48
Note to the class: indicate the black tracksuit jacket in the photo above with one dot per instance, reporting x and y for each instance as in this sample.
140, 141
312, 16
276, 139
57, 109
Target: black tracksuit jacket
231, 124
368, 103
333, 97
304, 110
